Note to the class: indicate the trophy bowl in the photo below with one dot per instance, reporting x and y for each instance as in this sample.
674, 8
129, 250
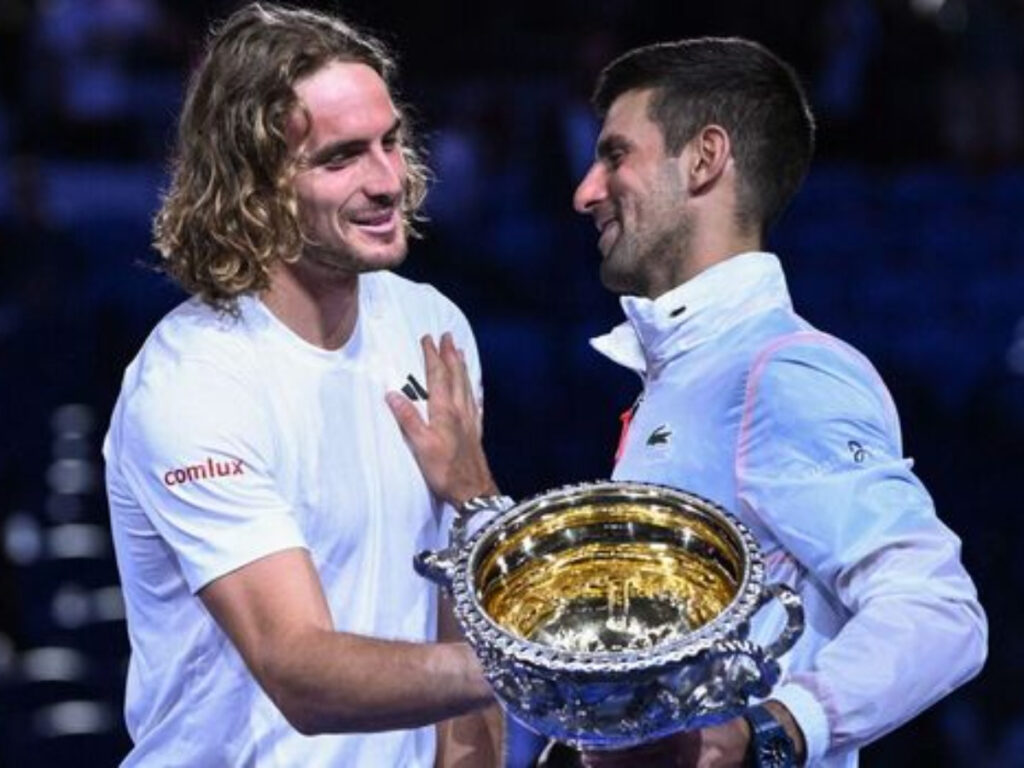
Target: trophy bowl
609, 614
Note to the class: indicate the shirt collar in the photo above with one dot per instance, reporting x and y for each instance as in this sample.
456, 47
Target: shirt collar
698, 310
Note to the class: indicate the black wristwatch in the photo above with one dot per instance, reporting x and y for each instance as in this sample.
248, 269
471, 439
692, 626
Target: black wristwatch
770, 745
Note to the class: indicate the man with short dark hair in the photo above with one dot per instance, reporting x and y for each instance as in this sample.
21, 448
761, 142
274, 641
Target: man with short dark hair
703, 144
265, 506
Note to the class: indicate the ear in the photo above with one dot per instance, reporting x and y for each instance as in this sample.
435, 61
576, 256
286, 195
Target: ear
709, 154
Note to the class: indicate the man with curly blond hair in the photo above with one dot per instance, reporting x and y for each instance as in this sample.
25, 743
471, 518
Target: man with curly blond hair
265, 504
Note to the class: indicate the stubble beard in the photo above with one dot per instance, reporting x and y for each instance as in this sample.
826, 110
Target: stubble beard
347, 261
639, 265
647, 256
618, 269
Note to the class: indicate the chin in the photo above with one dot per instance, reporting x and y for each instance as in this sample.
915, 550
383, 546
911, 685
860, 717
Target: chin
376, 264
382, 256
376, 256
362, 257
616, 279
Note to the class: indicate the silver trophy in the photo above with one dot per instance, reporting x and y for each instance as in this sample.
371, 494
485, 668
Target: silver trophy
610, 614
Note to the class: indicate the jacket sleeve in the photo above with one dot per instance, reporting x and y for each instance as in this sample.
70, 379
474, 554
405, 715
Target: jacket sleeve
819, 463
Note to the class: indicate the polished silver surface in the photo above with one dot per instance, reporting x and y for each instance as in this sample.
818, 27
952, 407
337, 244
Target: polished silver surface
608, 614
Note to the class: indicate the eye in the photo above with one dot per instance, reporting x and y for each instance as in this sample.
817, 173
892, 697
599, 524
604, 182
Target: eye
338, 161
613, 150
390, 142
614, 157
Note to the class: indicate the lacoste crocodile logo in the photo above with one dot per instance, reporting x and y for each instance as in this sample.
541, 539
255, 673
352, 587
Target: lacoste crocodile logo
660, 436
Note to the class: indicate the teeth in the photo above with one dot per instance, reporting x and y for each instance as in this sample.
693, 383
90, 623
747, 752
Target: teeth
375, 220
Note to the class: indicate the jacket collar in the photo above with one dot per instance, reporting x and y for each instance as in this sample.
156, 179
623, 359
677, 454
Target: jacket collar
696, 311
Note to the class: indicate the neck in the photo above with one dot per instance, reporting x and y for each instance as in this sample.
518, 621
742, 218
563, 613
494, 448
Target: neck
705, 248
716, 252
318, 304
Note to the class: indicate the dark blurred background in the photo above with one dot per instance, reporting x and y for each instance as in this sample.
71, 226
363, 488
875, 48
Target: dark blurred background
907, 240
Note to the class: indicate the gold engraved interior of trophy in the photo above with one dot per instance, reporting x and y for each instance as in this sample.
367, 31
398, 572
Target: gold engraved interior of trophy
602, 577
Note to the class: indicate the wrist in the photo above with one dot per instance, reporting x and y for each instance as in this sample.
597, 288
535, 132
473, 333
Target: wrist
476, 512
491, 500
474, 680
793, 730
470, 478
483, 488
776, 740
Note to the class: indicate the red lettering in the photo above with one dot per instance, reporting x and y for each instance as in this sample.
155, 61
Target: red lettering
209, 470
196, 472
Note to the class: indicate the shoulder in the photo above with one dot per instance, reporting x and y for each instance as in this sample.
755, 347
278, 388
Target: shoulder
197, 366
781, 358
805, 369
422, 306
194, 335
387, 286
811, 397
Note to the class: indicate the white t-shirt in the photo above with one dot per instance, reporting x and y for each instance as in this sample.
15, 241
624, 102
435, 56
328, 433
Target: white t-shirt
232, 439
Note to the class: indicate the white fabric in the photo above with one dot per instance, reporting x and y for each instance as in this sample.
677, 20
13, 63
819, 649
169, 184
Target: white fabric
233, 439
794, 432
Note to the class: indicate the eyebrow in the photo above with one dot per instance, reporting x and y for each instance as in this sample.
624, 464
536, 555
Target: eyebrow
347, 147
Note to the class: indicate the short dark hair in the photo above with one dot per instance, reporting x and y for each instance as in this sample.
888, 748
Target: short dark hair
737, 84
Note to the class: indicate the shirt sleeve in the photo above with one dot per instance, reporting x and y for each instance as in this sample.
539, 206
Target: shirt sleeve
820, 464
197, 455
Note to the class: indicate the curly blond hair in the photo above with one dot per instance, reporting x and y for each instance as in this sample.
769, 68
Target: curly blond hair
231, 211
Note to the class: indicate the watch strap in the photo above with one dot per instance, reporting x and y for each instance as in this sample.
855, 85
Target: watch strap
476, 512
493, 502
770, 744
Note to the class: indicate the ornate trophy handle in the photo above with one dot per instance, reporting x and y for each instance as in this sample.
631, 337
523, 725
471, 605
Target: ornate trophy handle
441, 566
794, 617
751, 669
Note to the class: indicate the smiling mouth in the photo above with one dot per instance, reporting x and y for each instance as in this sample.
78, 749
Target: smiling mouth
382, 221
609, 229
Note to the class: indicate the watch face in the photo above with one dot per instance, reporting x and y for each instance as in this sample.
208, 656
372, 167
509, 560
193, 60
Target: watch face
775, 752
772, 747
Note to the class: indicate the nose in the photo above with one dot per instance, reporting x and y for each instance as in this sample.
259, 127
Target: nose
385, 173
592, 189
